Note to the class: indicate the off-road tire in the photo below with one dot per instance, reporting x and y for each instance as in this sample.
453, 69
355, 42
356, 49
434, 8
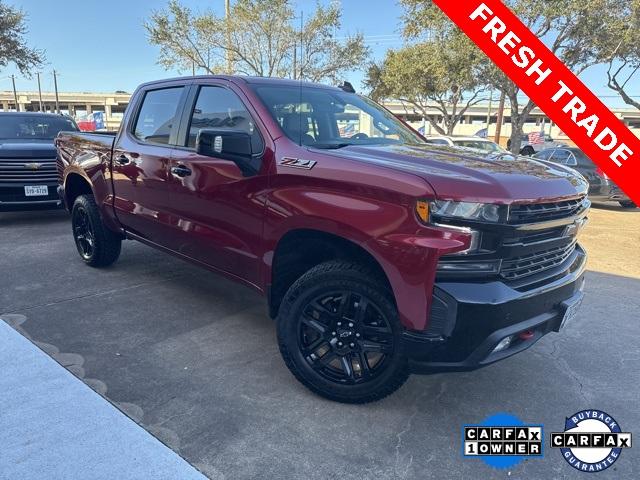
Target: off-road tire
105, 244
342, 276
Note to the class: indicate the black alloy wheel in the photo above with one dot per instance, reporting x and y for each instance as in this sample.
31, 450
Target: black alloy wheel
345, 337
339, 333
97, 245
83, 233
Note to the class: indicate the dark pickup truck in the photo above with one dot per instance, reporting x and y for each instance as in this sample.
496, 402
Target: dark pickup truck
379, 254
28, 177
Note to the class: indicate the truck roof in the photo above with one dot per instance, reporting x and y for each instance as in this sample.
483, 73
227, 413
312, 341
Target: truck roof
244, 79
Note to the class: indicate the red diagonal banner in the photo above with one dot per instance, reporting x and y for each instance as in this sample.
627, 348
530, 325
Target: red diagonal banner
552, 86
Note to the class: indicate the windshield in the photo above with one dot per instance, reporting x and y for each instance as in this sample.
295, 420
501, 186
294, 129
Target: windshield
479, 145
325, 118
33, 127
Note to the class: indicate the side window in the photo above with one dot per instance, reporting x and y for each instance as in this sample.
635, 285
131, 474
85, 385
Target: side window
221, 109
560, 156
543, 155
437, 141
157, 115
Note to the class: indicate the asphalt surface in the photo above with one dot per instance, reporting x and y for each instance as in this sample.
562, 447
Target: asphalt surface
53, 426
193, 359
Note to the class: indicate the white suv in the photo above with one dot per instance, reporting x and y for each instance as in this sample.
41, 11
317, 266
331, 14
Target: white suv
478, 144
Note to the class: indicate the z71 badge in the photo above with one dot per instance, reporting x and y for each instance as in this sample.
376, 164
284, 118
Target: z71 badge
297, 163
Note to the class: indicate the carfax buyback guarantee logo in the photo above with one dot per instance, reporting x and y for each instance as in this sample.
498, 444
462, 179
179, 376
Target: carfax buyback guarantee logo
592, 440
502, 440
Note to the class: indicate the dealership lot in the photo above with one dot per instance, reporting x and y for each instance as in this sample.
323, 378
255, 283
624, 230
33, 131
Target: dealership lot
193, 359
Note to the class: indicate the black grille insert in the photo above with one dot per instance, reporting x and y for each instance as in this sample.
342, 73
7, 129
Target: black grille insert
541, 212
519, 267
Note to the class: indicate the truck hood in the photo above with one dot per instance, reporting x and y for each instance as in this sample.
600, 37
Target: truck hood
23, 148
454, 174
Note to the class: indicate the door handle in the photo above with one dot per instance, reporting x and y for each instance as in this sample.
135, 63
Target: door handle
123, 160
180, 171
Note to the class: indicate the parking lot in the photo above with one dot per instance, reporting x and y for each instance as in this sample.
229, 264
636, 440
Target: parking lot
193, 359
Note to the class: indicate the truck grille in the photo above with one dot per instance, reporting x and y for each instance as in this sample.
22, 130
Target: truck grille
541, 212
27, 171
519, 267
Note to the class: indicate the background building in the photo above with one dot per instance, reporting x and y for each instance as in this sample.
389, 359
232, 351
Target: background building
113, 105
78, 105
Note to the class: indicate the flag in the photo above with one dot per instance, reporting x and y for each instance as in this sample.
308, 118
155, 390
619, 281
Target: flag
536, 138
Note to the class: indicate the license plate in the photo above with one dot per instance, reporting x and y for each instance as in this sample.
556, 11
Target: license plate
36, 190
571, 311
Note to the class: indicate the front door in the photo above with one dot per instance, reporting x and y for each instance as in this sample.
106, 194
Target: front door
140, 164
216, 211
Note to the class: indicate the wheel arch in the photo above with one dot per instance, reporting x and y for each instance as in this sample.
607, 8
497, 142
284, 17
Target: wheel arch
76, 184
300, 249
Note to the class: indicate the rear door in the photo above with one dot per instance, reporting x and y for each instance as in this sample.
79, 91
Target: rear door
140, 163
216, 212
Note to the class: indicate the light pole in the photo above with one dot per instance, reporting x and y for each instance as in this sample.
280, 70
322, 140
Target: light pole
55, 86
227, 16
39, 91
15, 94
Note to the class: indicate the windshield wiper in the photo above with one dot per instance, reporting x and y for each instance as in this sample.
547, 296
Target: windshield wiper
330, 146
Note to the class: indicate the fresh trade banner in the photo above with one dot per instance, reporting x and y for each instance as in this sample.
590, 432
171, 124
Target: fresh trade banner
552, 86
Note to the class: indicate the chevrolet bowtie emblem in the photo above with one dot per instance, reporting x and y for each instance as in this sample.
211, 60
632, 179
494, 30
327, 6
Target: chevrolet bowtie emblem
32, 166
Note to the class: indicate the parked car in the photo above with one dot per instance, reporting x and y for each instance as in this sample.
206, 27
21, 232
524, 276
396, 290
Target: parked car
475, 143
528, 148
379, 254
601, 187
28, 177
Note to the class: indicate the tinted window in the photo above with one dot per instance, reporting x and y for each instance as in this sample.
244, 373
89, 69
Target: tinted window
328, 118
561, 156
221, 109
583, 159
543, 155
34, 127
437, 141
157, 115
478, 145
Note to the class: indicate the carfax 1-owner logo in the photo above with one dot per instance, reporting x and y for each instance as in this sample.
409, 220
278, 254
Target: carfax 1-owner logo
592, 440
502, 441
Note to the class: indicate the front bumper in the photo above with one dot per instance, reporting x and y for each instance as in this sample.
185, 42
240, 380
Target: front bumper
471, 318
12, 197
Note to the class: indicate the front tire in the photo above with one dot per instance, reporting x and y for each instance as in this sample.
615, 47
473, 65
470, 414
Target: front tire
628, 204
97, 245
339, 334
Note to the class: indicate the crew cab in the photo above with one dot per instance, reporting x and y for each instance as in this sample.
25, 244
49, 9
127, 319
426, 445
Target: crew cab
28, 178
379, 254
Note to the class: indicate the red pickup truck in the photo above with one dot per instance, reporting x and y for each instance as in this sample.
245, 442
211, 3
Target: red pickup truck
379, 255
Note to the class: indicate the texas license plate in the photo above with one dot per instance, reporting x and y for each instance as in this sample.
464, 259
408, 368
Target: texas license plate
36, 190
572, 307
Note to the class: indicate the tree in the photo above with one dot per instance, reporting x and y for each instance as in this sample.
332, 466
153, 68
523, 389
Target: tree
260, 37
616, 38
13, 47
437, 73
561, 24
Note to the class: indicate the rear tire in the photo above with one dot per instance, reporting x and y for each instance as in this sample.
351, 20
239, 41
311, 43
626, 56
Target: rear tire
628, 204
339, 334
97, 245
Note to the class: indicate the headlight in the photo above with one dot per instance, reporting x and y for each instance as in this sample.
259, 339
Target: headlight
480, 212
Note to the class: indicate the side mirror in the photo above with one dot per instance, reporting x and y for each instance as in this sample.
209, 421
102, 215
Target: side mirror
233, 145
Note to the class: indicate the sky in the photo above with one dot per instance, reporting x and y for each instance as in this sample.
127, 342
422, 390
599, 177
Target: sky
100, 46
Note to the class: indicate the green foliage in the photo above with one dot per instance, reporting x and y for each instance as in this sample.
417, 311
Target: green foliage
566, 26
261, 37
436, 72
13, 48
